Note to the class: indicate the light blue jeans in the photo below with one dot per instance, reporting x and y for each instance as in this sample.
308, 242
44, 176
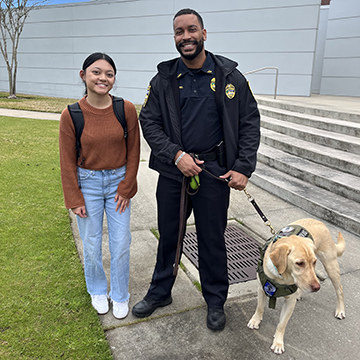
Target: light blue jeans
99, 190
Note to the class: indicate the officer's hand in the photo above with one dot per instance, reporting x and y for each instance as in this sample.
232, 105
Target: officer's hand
188, 166
237, 181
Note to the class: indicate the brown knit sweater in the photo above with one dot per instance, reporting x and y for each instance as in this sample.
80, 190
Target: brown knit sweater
102, 148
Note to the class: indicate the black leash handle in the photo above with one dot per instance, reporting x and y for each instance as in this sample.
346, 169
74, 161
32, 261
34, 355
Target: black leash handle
264, 218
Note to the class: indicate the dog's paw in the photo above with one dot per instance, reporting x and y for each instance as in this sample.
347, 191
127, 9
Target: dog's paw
340, 314
254, 323
278, 348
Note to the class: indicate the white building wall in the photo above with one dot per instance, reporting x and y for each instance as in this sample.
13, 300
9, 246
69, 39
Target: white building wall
138, 34
341, 69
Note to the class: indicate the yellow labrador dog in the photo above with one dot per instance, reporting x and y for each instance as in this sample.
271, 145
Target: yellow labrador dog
291, 260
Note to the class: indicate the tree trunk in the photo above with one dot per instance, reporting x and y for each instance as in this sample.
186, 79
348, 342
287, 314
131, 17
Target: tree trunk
12, 93
12, 89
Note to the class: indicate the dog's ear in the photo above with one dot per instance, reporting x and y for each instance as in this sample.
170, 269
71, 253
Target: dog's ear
279, 257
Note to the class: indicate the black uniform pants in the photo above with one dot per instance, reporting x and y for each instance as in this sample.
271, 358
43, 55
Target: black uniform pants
210, 207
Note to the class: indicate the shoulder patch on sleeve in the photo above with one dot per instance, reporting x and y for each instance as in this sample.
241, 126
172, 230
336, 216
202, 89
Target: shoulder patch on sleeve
250, 88
147, 95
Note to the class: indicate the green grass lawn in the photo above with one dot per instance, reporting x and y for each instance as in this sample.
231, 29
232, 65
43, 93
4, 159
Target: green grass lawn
45, 311
38, 103
34, 103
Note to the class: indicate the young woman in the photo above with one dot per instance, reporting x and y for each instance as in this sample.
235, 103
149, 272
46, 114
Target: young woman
102, 178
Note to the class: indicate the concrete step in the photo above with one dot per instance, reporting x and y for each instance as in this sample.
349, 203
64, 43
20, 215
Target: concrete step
334, 140
317, 122
336, 159
319, 202
310, 157
311, 110
337, 182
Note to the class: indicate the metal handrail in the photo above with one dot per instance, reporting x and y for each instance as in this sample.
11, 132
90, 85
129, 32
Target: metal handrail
265, 68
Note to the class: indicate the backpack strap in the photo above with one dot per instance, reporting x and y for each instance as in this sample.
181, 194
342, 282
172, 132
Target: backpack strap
78, 121
118, 105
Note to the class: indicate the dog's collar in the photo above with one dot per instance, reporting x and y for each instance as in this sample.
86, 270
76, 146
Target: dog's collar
270, 287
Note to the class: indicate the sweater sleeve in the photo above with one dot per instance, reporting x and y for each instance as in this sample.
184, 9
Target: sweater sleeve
128, 187
73, 196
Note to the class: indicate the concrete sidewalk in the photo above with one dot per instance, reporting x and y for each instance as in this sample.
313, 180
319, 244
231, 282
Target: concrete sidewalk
179, 330
26, 114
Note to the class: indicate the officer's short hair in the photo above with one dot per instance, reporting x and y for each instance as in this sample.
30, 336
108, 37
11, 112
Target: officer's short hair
188, 11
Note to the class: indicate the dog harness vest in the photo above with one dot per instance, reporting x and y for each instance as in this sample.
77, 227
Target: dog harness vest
271, 288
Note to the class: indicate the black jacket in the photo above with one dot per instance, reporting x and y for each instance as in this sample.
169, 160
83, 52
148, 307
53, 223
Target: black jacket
160, 118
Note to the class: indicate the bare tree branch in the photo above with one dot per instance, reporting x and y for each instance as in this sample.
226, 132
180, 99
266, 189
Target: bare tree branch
13, 14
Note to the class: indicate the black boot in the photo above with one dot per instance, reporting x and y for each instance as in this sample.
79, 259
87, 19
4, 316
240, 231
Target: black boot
146, 307
216, 318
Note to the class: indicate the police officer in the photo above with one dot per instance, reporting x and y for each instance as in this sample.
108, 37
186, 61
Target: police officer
197, 104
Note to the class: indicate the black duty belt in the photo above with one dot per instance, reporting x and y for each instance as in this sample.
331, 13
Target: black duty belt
214, 154
207, 156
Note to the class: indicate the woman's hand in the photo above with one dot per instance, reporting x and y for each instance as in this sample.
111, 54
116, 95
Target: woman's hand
80, 211
122, 203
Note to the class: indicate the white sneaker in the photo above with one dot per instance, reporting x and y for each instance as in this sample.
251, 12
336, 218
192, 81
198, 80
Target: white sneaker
100, 303
120, 309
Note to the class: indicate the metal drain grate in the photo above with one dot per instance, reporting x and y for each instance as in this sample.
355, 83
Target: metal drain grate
242, 253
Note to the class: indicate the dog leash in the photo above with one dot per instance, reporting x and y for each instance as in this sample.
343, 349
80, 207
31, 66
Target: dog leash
185, 192
261, 214
183, 205
267, 222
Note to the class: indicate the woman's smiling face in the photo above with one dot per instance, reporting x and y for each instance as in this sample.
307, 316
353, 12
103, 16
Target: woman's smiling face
99, 77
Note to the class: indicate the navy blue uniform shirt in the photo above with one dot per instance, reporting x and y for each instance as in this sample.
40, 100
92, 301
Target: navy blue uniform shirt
201, 128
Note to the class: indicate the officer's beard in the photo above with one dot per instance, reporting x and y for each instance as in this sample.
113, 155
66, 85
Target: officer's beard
198, 49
